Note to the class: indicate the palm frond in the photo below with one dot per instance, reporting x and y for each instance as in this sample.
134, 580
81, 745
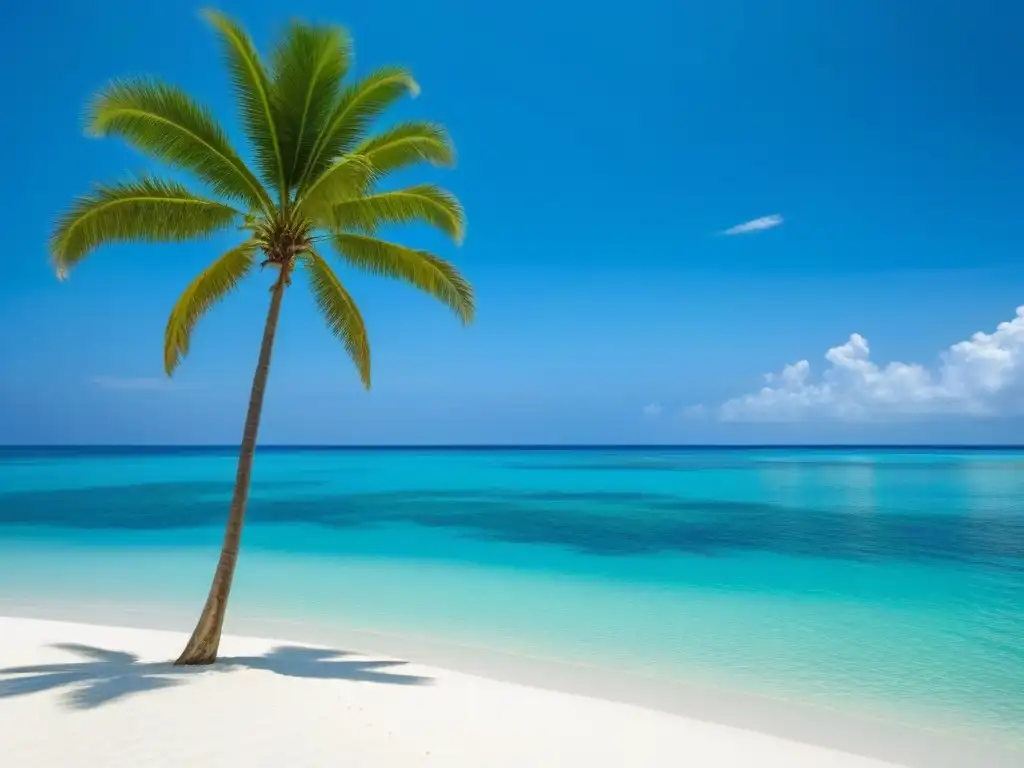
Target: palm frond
426, 203
147, 210
254, 91
346, 179
340, 312
213, 284
307, 69
424, 270
165, 123
408, 144
358, 106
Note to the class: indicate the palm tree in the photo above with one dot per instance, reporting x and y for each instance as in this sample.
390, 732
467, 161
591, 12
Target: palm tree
314, 181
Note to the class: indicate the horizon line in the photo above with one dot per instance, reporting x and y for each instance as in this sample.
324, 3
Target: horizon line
520, 446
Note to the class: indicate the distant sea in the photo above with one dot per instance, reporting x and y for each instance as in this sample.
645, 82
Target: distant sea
880, 581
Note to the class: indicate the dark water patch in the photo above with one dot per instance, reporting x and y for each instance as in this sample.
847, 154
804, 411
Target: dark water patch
589, 497
719, 528
630, 466
146, 506
602, 524
700, 464
624, 502
11, 454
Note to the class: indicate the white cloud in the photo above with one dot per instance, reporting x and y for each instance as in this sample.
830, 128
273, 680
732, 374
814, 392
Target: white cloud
756, 225
131, 384
652, 410
981, 376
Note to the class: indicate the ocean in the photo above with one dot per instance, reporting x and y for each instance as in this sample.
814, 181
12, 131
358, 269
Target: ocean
880, 582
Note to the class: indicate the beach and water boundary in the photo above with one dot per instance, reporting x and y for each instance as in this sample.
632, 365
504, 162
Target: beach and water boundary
882, 585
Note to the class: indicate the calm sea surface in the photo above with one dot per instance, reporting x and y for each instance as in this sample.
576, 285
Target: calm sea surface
889, 582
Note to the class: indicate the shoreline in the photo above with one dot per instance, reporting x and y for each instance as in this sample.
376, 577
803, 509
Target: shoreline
74, 687
753, 716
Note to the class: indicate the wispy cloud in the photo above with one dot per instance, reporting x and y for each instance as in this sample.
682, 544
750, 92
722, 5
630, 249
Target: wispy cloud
136, 384
652, 410
980, 376
756, 225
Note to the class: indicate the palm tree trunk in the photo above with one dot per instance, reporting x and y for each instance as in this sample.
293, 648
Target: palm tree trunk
202, 646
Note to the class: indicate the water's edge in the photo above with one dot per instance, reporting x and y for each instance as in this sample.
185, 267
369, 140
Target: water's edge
901, 743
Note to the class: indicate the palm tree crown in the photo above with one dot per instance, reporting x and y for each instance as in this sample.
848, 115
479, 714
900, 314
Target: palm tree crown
314, 179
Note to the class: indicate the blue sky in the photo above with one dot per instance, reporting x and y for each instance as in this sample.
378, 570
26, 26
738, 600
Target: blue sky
603, 151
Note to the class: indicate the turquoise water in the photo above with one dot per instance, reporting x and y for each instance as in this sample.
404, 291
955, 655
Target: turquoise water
883, 582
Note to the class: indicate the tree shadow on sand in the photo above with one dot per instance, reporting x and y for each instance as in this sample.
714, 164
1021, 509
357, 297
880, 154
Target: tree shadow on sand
106, 676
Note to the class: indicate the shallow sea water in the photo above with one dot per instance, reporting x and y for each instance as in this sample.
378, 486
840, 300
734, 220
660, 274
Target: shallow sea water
887, 582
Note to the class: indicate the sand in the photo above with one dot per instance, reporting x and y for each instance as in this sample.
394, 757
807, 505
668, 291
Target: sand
85, 695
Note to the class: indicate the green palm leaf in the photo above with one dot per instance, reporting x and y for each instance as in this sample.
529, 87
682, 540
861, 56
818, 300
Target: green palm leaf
340, 312
165, 123
421, 269
213, 284
308, 67
359, 105
426, 203
408, 144
147, 210
254, 91
346, 179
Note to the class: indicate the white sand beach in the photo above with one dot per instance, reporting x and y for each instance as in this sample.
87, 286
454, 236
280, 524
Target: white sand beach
84, 695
